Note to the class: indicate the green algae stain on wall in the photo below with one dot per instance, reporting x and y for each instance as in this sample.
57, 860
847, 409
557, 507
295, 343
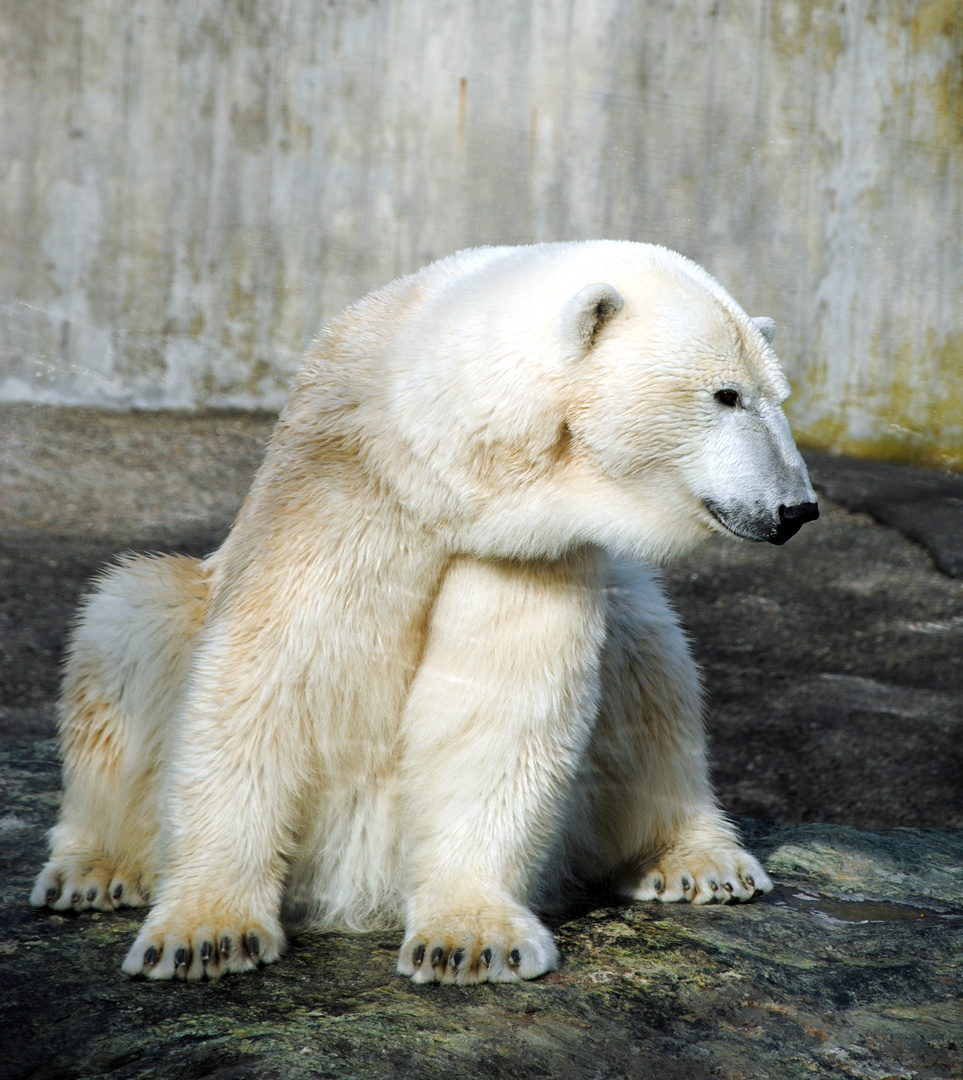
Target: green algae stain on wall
809, 29
879, 369
913, 423
938, 31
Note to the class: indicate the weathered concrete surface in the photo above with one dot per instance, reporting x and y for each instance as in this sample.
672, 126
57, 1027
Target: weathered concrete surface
188, 188
835, 683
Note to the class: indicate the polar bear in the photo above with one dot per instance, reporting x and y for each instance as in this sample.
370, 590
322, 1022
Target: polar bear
430, 678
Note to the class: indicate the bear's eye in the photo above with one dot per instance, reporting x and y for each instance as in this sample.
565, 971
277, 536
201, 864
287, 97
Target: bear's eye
729, 398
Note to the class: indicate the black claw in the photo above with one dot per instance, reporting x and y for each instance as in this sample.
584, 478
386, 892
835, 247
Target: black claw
118, 891
150, 956
226, 946
91, 894
686, 884
714, 886
418, 955
659, 886
514, 957
456, 958
751, 882
436, 955
180, 957
486, 957
253, 945
728, 887
207, 951
52, 893
75, 898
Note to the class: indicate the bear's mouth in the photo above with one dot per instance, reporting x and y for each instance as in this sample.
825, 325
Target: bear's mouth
741, 524
747, 524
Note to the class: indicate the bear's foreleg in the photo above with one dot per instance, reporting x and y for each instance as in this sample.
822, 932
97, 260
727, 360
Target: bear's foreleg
232, 804
495, 726
645, 819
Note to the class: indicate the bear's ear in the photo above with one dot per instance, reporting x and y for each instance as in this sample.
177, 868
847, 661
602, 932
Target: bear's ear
588, 311
766, 327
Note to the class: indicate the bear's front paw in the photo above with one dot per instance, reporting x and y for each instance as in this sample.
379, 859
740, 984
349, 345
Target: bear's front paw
82, 882
702, 877
487, 944
200, 945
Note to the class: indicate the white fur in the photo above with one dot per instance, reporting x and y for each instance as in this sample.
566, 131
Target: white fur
414, 684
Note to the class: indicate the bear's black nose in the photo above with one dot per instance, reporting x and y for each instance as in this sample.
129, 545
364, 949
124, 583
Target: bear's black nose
792, 519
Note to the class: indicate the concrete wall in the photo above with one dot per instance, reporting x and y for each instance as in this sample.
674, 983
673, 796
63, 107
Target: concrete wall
188, 188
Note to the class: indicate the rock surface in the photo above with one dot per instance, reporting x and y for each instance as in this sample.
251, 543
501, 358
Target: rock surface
835, 688
851, 968
925, 504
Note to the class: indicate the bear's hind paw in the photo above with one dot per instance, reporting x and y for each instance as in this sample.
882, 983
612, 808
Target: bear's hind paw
79, 883
723, 877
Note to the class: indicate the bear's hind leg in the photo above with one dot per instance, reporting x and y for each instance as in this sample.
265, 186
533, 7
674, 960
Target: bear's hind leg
645, 818
128, 658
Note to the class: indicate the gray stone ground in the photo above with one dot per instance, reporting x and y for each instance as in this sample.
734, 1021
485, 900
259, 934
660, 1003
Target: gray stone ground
834, 674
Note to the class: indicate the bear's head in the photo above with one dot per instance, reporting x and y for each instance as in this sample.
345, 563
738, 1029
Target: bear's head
683, 415
531, 399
